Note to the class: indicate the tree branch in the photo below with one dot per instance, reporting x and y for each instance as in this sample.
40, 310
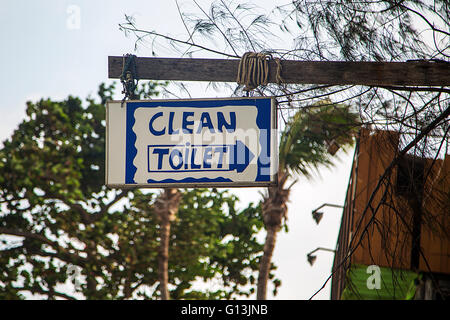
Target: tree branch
444, 115
48, 293
71, 257
135, 30
28, 235
413, 89
105, 208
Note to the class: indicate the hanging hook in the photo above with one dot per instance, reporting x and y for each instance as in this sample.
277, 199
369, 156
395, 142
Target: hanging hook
129, 78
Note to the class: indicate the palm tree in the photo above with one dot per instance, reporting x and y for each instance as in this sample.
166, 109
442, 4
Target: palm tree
165, 206
166, 209
309, 140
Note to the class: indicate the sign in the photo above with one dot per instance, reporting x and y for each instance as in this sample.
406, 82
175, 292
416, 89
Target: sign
187, 143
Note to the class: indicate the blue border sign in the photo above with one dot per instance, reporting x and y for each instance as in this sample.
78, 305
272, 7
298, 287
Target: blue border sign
182, 143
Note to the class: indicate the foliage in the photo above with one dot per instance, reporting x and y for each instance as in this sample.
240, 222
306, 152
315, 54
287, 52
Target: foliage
367, 30
211, 239
65, 235
309, 139
324, 30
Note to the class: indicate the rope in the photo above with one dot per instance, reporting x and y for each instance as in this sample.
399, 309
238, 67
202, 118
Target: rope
253, 70
129, 78
278, 77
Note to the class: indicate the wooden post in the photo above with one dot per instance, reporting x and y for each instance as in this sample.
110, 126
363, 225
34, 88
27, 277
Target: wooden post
414, 73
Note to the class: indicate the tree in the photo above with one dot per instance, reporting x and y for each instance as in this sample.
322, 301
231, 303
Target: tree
308, 141
166, 209
60, 227
211, 239
325, 30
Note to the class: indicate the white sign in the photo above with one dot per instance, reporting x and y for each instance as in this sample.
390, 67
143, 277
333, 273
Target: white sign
185, 143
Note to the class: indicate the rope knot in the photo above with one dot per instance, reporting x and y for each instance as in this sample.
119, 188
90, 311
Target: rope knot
254, 70
129, 78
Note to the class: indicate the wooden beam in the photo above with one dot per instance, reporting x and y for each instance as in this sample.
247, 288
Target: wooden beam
414, 73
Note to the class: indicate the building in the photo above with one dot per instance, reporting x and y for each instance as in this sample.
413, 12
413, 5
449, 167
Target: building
394, 243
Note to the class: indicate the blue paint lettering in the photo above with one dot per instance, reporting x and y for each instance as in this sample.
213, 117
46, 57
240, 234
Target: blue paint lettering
152, 129
176, 153
193, 165
222, 151
187, 122
205, 122
160, 152
221, 122
206, 157
170, 130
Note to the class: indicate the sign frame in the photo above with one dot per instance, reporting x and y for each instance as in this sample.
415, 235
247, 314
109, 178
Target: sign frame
113, 137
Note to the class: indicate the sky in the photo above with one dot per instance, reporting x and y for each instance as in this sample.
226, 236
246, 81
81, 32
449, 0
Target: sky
55, 48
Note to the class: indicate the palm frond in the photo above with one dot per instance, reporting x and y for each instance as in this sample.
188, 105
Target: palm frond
305, 142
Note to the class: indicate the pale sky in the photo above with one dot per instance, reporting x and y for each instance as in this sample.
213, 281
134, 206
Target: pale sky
45, 53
